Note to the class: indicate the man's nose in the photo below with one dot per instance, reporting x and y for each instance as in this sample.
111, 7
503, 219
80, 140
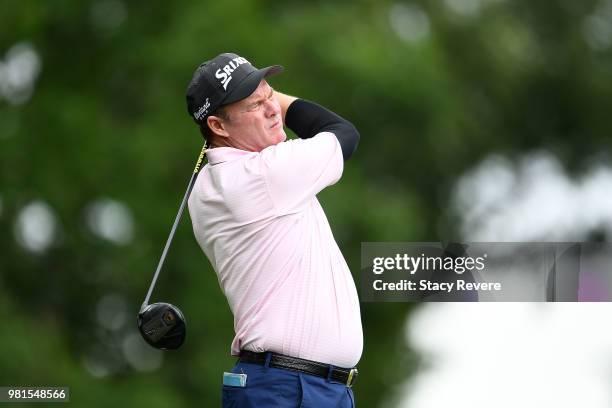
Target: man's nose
271, 108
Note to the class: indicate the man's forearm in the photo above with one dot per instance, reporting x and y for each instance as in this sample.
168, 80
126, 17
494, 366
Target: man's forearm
306, 119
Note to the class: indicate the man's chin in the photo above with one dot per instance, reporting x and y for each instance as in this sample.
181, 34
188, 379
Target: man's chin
282, 136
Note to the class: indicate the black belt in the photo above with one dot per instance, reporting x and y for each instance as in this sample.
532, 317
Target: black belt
343, 375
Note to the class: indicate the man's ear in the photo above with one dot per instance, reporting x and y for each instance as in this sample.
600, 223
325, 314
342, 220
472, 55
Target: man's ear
217, 126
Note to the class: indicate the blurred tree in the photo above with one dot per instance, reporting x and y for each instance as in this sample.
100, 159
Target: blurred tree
104, 137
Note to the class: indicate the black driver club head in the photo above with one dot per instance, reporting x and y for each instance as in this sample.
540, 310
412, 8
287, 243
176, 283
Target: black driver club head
162, 325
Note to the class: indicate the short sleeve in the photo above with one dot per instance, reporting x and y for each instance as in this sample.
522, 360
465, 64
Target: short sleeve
297, 170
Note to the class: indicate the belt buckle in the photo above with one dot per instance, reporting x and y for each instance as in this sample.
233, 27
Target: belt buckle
352, 377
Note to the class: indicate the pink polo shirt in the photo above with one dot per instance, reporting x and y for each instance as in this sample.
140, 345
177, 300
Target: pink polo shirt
257, 219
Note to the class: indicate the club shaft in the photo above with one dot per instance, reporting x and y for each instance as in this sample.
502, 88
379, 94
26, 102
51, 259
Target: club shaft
174, 227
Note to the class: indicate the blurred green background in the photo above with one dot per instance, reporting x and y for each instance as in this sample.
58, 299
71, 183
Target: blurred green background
96, 150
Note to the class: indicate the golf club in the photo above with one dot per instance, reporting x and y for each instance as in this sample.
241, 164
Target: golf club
161, 324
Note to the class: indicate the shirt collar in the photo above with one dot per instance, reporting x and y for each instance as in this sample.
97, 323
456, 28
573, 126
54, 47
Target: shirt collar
223, 154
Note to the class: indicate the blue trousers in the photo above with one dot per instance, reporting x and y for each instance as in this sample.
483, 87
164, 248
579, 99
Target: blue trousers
274, 387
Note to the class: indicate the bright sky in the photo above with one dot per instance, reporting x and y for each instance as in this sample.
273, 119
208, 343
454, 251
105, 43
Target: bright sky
508, 355
528, 355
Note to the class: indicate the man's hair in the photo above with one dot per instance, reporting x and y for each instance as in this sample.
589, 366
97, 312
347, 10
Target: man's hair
206, 132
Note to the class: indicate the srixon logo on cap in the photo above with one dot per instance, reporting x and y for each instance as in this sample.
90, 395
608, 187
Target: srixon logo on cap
225, 73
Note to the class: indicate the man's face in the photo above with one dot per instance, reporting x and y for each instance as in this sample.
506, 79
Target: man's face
255, 122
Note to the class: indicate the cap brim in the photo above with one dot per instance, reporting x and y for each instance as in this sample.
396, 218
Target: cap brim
250, 84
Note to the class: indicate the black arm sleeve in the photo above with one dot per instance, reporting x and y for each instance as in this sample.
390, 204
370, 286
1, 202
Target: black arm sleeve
307, 119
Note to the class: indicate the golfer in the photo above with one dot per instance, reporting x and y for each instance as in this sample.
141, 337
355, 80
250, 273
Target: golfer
256, 216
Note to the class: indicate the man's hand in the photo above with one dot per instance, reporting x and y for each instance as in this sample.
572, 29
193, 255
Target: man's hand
284, 102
